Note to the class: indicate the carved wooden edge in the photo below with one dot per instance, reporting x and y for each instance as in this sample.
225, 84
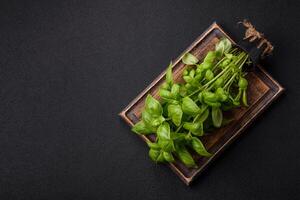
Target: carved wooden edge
188, 180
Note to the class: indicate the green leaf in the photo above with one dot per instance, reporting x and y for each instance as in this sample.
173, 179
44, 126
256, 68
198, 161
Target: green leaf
165, 86
200, 97
217, 116
189, 59
166, 145
178, 137
199, 76
222, 95
171, 101
223, 46
154, 154
141, 128
157, 121
147, 118
187, 79
175, 113
243, 83
203, 116
153, 145
166, 94
198, 146
244, 98
195, 127
151, 121
153, 106
169, 75
163, 131
207, 65
213, 104
219, 82
209, 75
160, 158
185, 157
192, 73
227, 45
209, 96
189, 106
168, 157
175, 89
210, 57
183, 91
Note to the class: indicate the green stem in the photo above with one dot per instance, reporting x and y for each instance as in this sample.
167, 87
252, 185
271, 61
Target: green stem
179, 127
218, 63
229, 81
242, 64
216, 77
211, 81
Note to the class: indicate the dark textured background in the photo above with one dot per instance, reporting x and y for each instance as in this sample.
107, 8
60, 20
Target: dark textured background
68, 67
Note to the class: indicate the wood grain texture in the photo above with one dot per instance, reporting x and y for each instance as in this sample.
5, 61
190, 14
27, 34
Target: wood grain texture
262, 90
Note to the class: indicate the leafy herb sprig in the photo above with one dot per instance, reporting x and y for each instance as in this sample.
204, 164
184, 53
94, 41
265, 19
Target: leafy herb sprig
188, 110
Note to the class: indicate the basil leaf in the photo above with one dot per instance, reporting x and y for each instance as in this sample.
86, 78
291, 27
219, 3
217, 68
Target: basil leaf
183, 91
165, 86
219, 82
189, 59
203, 116
141, 128
195, 127
244, 98
185, 157
178, 137
213, 104
207, 65
160, 158
153, 106
175, 113
222, 95
210, 57
223, 46
168, 157
243, 83
153, 145
198, 146
217, 116
209, 75
153, 154
157, 121
209, 96
146, 117
175, 89
189, 107
171, 101
163, 131
151, 121
187, 79
166, 94
166, 145
169, 75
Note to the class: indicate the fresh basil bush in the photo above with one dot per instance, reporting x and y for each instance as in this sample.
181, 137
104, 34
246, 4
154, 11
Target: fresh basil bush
188, 110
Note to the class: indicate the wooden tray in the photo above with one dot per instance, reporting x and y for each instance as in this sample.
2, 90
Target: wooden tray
262, 90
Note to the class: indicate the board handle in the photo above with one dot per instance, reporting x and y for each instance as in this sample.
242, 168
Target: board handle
253, 41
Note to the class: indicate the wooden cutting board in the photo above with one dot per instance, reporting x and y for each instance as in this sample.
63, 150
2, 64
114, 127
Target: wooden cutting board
262, 90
